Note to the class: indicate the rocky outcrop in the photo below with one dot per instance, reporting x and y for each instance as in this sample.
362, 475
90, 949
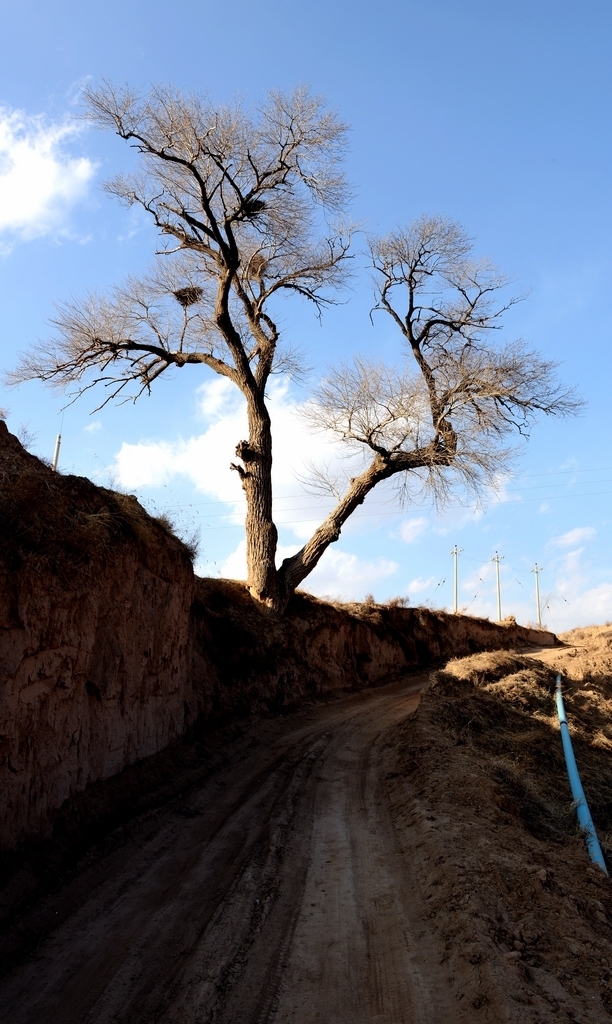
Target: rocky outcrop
110, 648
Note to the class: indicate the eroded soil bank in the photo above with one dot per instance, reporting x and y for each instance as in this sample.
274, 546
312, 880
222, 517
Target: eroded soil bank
111, 649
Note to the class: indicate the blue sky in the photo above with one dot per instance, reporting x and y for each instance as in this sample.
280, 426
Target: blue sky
497, 115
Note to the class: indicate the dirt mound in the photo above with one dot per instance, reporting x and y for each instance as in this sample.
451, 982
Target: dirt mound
584, 654
66, 524
505, 704
481, 794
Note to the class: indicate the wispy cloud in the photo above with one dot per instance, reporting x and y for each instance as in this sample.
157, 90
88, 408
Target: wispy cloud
339, 575
410, 529
418, 585
40, 181
575, 536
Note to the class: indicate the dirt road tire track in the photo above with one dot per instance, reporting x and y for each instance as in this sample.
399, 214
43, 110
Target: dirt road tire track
277, 893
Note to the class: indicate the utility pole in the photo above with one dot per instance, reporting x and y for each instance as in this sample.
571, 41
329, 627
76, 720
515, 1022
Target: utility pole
455, 553
537, 570
58, 442
497, 560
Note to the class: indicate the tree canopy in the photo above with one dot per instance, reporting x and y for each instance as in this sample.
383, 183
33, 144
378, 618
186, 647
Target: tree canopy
252, 204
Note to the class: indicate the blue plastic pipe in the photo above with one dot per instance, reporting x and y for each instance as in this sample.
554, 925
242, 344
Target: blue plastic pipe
582, 808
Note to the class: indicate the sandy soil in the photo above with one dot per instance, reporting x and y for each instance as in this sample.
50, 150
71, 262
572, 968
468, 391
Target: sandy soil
277, 891
394, 856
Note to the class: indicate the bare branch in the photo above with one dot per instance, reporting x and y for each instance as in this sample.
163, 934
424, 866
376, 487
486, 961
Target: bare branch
244, 203
247, 205
444, 423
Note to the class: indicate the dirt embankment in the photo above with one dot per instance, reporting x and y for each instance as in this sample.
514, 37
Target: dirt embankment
349, 858
480, 798
111, 649
94, 637
263, 663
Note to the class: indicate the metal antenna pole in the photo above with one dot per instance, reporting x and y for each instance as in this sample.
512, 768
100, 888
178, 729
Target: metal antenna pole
58, 442
537, 570
497, 560
455, 553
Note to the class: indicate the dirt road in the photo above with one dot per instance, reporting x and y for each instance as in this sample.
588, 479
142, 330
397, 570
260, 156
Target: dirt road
276, 892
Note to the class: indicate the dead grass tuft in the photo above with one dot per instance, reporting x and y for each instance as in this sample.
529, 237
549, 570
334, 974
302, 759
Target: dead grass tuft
502, 705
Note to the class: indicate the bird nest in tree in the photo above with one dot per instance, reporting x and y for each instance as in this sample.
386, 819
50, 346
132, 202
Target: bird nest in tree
188, 296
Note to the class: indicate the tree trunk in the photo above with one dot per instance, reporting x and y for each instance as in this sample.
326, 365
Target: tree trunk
273, 587
261, 533
299, 566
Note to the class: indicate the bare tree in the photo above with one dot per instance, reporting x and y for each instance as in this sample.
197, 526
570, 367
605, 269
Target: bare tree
445, 420
244, 202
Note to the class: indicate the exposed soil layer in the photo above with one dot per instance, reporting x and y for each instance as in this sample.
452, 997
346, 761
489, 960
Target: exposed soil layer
95, 600
319, 647
111, 649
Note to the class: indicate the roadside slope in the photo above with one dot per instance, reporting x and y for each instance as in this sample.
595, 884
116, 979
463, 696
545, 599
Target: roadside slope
480, 800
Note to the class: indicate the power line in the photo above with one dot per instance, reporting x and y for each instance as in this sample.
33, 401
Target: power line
370, 515
394, 512
568, 472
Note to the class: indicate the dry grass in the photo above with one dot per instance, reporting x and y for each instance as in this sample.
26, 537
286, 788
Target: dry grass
66, 523
502, 704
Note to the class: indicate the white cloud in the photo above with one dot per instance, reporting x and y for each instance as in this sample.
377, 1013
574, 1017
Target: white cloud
346, 577
205, 459
215, 395
580, 608
234, 567
339, 575
571, 561
418, 585
39, 180
93, 428
410, 529
576, 536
